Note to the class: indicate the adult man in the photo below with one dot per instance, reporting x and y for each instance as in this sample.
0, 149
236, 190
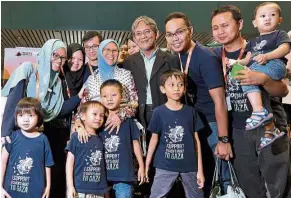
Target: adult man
147, 66
205, 88
271, 164
91, 41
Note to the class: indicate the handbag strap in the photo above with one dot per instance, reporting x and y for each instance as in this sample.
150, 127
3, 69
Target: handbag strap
216, 173
233, 177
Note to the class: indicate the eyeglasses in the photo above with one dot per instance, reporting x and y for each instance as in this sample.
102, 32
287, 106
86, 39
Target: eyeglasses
56, 56
109, 51
93, 47
140, 33
178, 33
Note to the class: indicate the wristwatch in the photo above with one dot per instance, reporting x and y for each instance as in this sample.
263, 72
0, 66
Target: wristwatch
223, 139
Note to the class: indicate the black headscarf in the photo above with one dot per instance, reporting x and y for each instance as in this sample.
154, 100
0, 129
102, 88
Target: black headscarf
74, 78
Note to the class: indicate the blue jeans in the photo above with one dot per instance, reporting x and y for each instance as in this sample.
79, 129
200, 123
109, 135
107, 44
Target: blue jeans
212, 141
275, 69
123, 189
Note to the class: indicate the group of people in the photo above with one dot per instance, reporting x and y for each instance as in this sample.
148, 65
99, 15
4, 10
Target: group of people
198, 113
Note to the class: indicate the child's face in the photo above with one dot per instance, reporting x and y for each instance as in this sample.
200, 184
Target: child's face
174, 88
111, 97
267, 18
27, 121
94, 117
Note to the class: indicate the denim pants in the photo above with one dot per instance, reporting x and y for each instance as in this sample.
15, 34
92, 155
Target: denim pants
123, 189
275, 69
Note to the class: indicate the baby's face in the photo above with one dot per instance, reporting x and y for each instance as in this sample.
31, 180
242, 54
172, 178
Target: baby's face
267, 18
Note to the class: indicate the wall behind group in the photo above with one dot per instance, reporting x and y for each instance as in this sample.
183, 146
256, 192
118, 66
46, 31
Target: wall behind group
66, 15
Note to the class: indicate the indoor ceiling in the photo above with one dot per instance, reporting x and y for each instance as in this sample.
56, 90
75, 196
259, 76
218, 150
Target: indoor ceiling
36, 38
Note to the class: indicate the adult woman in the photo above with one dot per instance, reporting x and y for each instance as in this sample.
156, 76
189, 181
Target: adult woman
107, 61
132, 46
73, 69
42, 82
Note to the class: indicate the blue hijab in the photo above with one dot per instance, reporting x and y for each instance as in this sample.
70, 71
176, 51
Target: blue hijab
106, 71
50, 87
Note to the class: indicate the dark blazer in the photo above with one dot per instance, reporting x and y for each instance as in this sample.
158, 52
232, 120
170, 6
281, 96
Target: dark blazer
163, 62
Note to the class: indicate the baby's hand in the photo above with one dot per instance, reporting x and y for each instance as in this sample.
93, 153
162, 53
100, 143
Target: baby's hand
4, 194
200, 179
261, 59
141, 176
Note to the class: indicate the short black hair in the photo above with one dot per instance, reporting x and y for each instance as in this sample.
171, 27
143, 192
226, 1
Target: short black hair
236, 14
172, 72
178, 15
90, 34
267, 3
112, 82
29, 105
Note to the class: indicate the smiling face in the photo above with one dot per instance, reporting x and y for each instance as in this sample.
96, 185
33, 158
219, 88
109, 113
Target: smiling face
76, 61
145, 37
225, 29
178, 35
110, 53
93, 118
91, 48
58, 59
267, 18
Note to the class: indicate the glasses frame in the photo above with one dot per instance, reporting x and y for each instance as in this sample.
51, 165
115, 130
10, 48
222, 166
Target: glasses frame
178, 33
56, 56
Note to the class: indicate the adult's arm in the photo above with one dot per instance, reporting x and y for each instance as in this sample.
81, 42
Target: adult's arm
69, 106
273, 87
8, 121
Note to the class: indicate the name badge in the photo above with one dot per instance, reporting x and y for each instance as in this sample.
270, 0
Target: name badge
228, 103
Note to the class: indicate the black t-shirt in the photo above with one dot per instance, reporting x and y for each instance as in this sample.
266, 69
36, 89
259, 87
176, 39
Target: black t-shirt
241, 107
267, 43
204, 74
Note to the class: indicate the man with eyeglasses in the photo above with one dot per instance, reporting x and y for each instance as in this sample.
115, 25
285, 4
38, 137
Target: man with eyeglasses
205, 91
91, 41
147, 66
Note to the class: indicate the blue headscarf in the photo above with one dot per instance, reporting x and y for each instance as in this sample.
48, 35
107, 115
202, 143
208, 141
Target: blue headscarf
50, 87
106, 71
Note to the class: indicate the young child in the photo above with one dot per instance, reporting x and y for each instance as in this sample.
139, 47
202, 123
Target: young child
267, 56
119, 146
85, 167
26, 161
173, 126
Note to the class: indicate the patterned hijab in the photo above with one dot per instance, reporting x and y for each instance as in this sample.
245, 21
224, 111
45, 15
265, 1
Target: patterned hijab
106, 71
50, 88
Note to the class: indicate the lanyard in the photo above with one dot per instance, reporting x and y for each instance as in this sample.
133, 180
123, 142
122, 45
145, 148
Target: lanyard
224, 66
188, 61
67, 87
91, 69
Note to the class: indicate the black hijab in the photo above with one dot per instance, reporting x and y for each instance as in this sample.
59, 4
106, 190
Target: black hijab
74, 78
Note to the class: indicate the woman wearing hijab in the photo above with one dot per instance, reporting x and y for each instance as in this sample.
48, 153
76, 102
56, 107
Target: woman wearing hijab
107, 69
73, 69
42, 81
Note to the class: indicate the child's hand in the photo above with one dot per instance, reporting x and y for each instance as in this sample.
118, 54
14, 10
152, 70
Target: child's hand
71, 192
200, 180
4, 194
147, 179
46, 193
83, 135
141, 176
261, 59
